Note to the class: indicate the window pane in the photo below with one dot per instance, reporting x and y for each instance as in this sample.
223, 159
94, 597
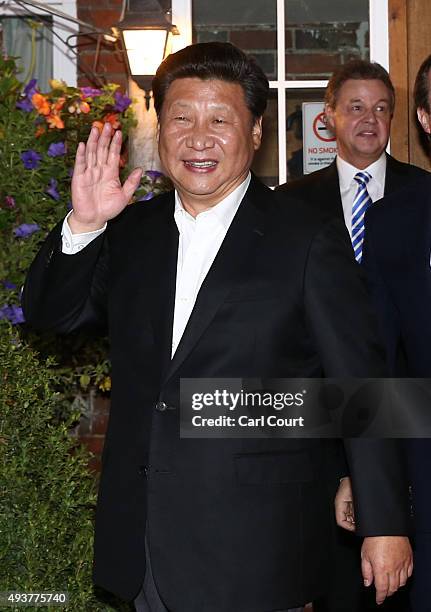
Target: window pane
319, 144
322, 35
17, 42
247, 24
265, 164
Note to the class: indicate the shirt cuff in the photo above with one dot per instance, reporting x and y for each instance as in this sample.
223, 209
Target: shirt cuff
73, 243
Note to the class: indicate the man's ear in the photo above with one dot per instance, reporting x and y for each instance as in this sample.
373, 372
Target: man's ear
256, 133
424, 120
330, 119
158, 132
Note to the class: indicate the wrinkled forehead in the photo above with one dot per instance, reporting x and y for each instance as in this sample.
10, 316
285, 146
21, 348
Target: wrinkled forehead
201, 95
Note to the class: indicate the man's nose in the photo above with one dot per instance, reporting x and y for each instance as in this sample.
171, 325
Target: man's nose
370, 116
199, 138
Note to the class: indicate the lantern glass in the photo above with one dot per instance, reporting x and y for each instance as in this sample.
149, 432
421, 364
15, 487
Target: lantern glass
145, 50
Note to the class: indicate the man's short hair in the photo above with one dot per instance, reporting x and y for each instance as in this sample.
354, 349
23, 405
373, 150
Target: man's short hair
214, 60
421, 88
357, 69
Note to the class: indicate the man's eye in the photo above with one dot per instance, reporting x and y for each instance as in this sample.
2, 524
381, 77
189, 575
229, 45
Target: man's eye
219, 121
356, 107
180, 118
381, 109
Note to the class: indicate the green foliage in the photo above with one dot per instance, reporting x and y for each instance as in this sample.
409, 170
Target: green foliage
47, 495
39, 133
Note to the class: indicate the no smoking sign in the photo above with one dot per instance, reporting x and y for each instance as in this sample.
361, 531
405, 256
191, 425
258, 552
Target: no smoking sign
320, 128
319, 144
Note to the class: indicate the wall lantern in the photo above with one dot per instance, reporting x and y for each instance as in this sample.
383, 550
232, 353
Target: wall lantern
146, 31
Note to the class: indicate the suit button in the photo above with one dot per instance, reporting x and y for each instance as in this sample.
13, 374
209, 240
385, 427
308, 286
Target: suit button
161, 406
143, 470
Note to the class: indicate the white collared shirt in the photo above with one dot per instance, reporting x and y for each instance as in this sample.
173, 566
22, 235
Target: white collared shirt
199, 241
349, 187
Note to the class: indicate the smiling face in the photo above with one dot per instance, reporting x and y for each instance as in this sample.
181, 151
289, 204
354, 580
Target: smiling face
207, 140
361, 120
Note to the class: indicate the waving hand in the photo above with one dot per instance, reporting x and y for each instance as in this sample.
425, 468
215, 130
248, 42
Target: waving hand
97, 193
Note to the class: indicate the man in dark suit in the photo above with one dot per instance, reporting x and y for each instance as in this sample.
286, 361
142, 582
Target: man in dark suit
397, 264
217, 279
359, 104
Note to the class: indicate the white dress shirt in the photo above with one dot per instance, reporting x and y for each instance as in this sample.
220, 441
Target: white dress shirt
349, 187
199, 241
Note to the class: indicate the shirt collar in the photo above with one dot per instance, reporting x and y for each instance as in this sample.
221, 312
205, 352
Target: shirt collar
224, 211
346, 171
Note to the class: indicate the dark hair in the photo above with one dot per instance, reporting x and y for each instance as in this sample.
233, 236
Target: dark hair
357, 69
421, 88
214, 60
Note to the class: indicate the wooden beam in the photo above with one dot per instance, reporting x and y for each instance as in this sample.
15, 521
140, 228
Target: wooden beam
398, 68
419, 47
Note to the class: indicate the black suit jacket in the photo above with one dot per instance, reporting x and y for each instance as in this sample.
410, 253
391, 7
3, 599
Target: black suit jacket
232, 524
323, 186
397, 263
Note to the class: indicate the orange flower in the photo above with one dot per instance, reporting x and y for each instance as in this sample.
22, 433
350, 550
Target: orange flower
39, 131
85, 107
55, 121
57, 106
112, 118
41, 104
98, 125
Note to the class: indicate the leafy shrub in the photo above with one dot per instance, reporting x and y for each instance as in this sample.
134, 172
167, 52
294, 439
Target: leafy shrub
47, 495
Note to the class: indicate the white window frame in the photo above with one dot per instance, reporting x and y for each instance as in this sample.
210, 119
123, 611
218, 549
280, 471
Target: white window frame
64, 61
379, 52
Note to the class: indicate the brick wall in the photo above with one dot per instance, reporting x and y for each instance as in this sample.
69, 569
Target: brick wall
110, 66
92, 426
313, 50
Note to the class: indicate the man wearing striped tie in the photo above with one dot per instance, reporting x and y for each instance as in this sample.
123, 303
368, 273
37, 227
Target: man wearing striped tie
359, 105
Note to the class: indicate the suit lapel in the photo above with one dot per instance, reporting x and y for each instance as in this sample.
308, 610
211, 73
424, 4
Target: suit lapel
244, 234
395, 175
160, 290
329, 190
418, 236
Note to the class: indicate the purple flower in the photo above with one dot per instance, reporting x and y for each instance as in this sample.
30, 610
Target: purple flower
56, 149
25, 105
153, 174
8, 285
147, 196
30, 88
9, 202
12, 313
121, 102
52, 189
69, 205
90, 92
30, 159
25, 229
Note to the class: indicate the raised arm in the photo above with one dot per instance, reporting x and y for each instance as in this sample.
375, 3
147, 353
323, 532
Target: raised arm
65, 292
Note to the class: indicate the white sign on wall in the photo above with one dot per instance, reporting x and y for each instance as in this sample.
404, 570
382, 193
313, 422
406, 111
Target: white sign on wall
319, 146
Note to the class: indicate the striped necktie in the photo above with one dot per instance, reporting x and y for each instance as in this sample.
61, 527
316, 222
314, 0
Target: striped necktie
360, 204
